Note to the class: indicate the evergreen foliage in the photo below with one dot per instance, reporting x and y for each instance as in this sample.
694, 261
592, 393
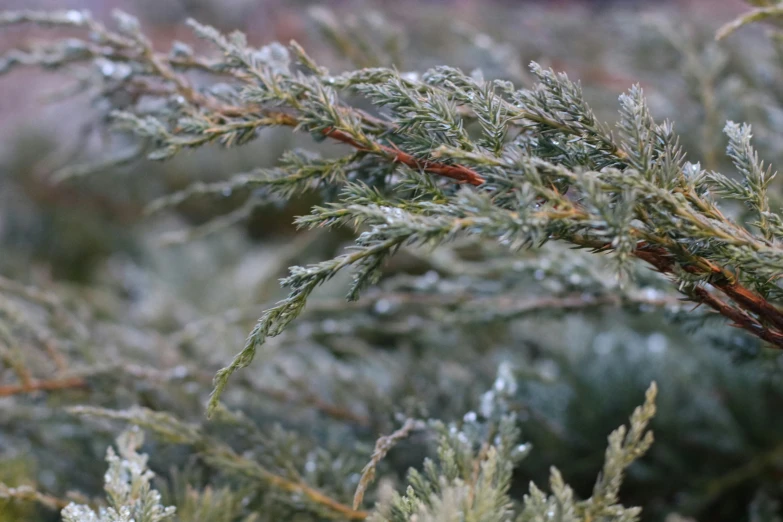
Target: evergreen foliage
521, 210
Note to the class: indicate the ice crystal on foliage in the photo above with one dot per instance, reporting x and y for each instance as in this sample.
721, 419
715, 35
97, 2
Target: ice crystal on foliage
128, 490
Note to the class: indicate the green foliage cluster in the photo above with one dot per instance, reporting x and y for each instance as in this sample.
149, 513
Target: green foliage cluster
480, 189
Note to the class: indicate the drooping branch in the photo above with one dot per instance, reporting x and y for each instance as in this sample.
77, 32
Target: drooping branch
425, 133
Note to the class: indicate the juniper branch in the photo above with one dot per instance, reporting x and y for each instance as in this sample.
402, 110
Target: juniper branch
565, 176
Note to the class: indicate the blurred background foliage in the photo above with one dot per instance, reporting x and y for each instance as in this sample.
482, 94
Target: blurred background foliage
140, 311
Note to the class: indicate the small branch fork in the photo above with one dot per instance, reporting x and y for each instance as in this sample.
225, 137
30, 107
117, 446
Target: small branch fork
769, 330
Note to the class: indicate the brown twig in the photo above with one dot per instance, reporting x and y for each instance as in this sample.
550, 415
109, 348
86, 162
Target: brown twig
743, 297
459, 173
318, 497
229, 458
46, 385
722, 280
741, 318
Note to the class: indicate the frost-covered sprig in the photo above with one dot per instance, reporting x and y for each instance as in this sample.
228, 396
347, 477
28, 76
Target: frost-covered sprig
472, 474
128, 490
221, 456
755, 177
626, 445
